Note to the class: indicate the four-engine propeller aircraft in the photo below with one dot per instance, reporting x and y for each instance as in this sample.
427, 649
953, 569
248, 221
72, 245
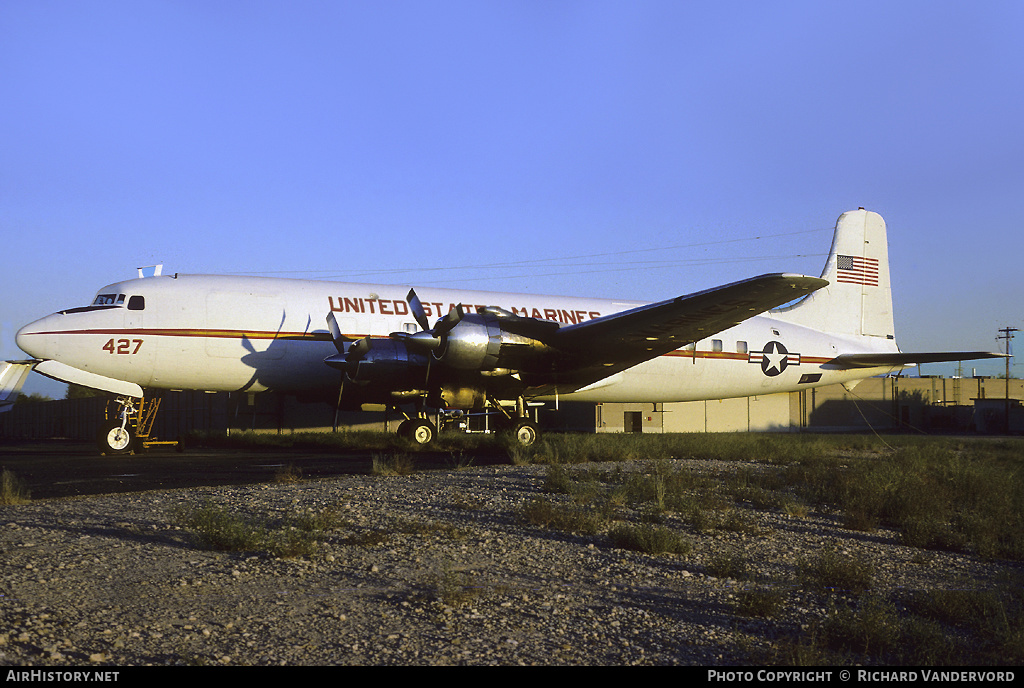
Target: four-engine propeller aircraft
353, 344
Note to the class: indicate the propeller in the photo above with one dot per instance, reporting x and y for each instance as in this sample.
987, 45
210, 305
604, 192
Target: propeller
428, 338
349, 352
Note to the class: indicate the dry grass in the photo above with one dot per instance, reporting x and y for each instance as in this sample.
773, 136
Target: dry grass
13, 490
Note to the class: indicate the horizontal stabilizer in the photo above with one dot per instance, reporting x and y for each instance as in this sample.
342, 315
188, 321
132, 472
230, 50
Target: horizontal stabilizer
905, 359
12, 377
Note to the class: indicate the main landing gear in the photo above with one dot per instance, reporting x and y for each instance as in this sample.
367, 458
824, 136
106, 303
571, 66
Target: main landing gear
523, 430
419, 429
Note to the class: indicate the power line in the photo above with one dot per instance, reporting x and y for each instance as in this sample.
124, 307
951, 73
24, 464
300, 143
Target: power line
565, 261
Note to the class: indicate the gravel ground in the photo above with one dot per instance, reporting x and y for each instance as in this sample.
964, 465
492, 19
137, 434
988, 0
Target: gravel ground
459, 578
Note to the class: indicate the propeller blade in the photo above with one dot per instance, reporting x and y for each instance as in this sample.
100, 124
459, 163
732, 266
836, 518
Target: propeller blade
359, 349
336, 336
421, 340
445, 325
417, 310
337, 361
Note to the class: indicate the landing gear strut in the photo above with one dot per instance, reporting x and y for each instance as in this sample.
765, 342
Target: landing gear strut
117, 434
523, 430
129, 425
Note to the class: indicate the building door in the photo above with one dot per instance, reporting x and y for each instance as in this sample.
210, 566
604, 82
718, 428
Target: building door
633, 421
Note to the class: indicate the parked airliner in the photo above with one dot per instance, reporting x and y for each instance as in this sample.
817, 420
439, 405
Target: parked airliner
353, 344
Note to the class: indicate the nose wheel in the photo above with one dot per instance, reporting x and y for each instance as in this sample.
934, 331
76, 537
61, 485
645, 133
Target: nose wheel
114, 438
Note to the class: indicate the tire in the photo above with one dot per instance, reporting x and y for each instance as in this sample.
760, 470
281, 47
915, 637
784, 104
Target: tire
420, 431
113, 440
403, 429
525, 432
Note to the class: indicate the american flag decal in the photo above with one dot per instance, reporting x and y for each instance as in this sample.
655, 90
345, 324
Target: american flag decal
854, 270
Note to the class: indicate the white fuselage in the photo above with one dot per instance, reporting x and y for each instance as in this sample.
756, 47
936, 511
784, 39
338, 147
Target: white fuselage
223, 333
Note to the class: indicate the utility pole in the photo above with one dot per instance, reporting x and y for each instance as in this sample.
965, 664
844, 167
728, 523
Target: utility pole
1007, 334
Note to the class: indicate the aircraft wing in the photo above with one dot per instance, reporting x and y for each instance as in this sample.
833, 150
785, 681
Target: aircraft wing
907, 359
12, 377
596, 349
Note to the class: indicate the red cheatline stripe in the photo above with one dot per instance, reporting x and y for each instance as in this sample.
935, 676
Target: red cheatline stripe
212, 334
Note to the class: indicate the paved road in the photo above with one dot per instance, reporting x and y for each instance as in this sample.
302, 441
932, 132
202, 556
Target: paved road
56, 468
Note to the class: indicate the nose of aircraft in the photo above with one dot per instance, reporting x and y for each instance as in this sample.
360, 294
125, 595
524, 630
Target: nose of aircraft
37, 340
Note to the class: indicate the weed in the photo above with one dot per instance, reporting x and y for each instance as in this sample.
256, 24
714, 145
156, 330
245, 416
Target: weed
736, 521
12, 489
288, 474
650, 539
874, 628
458, 460
760, 602
455, 588
729, 566
546, 514
317, 521
794, 507
392, 464
519, 455
557, 480
366, 538
466, 503
835, 571
217, 528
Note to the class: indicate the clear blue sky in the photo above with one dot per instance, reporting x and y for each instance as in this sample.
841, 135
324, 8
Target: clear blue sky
584, 148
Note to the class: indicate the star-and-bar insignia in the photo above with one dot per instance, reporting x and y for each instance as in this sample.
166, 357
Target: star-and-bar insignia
774, 358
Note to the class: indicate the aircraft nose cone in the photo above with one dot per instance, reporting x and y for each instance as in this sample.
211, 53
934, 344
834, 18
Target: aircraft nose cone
33, 340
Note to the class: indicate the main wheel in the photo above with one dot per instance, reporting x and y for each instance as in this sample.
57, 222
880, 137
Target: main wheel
419, 431
525, 432
113, 439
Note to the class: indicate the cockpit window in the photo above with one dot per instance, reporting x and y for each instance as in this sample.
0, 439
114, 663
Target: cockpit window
137, 303
109, 300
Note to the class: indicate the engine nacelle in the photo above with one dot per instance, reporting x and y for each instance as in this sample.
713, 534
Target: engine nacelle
480, 342
383, 363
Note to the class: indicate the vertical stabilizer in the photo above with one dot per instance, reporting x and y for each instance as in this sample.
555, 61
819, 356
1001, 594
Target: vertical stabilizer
858, 299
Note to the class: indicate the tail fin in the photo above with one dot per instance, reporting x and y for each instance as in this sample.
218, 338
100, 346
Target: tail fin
858, 299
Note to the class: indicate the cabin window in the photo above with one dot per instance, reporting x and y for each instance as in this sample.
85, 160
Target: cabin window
741, 347
716, 344
137, 303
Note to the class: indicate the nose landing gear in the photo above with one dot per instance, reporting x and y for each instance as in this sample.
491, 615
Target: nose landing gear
128, 426
117, 434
